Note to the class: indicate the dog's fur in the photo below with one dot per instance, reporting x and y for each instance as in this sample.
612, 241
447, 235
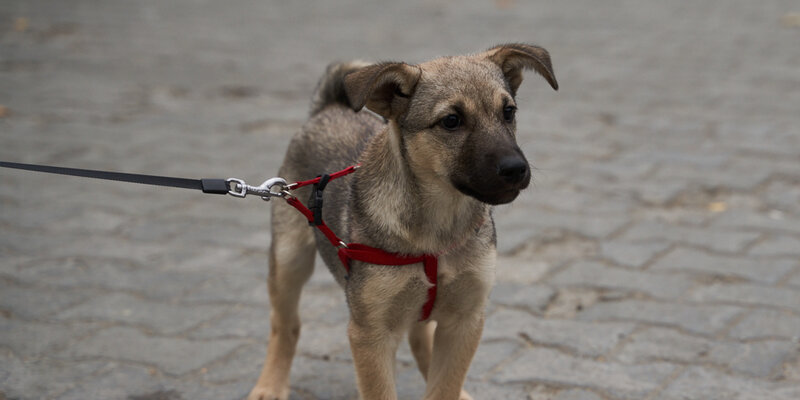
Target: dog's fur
422, 188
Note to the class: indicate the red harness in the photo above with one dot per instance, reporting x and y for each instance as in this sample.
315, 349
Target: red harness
360, 252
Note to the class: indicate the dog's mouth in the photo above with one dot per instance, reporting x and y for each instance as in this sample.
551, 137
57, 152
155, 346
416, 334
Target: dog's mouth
503, 196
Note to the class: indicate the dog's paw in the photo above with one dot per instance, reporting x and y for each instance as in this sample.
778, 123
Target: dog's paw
464, 395
266, 393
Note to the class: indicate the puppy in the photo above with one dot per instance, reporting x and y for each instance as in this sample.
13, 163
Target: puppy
437, 151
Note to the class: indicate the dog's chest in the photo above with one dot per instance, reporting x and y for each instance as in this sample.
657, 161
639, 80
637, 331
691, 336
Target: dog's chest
466, 270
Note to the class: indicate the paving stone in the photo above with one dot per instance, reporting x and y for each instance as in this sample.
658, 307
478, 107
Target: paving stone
532, 297
759, 359
326, 379
29, 378
521, 222
551, 366
749, 294
783, 195
774, 222
521, 270
794, 279
110, 247
171, 318
733, 176
718, 240
785, 246
37, 303
704, 383
229, 288
576, 394
762, 323
243, 364
195, 389
660, 344
27, 338
236, 322
487, 390
584, 337
172, 356
123, 382
489, 355
409, 383
751, 358
704, 319
759, 270
110, 274
594, 274
318, 340
631, 254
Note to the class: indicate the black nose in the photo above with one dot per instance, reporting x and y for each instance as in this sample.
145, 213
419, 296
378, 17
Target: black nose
512, 169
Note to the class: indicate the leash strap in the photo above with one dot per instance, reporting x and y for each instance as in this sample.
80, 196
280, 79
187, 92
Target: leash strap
238, 188
212, 186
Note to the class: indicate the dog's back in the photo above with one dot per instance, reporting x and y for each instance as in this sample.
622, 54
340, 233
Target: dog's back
332, 139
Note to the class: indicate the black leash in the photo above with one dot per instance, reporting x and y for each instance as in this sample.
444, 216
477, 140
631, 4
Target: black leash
212, 186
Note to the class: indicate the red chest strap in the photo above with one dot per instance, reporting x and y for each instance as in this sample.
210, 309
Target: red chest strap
364, 253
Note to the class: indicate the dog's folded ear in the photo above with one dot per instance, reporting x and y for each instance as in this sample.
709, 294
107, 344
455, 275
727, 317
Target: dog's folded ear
514, 57
384, 88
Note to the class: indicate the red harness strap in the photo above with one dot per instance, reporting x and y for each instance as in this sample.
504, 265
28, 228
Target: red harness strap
364, 253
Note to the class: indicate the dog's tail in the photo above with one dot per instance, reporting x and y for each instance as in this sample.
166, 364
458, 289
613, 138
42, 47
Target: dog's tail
330, 88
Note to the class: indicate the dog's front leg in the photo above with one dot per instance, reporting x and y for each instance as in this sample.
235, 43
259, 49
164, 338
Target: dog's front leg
454, 344
374, 357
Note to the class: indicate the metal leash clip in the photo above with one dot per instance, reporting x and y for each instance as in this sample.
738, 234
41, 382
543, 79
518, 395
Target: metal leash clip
273, 187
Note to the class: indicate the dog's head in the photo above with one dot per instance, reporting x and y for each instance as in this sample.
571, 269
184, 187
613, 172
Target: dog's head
454, 117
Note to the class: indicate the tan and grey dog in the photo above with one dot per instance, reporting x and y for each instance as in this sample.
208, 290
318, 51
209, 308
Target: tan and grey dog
444, 152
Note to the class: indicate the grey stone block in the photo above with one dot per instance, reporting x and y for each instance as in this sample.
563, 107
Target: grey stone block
781, 245
521, 270
78, 273
583, 337
30, 378
705, 319
760, 359
530, 296
32, 339
37, 303
708, 384
242, 365
653, 344
772, 222
237, 322
172, 356
763, 323
123, 382
551, 366
489, 355
718, 240
758, 270
597, 275
752, 358
171, 318
631, 254
746, 294
576, 394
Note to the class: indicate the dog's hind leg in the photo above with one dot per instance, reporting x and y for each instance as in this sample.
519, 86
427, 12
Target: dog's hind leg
454, 346
291, 262
420, 339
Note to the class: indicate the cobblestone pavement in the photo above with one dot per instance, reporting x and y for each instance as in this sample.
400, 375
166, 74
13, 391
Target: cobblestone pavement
656, 257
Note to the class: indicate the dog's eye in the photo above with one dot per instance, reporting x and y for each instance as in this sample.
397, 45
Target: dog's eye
508, 113
451, 122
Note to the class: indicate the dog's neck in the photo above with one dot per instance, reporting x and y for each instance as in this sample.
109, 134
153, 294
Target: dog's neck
404, 212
